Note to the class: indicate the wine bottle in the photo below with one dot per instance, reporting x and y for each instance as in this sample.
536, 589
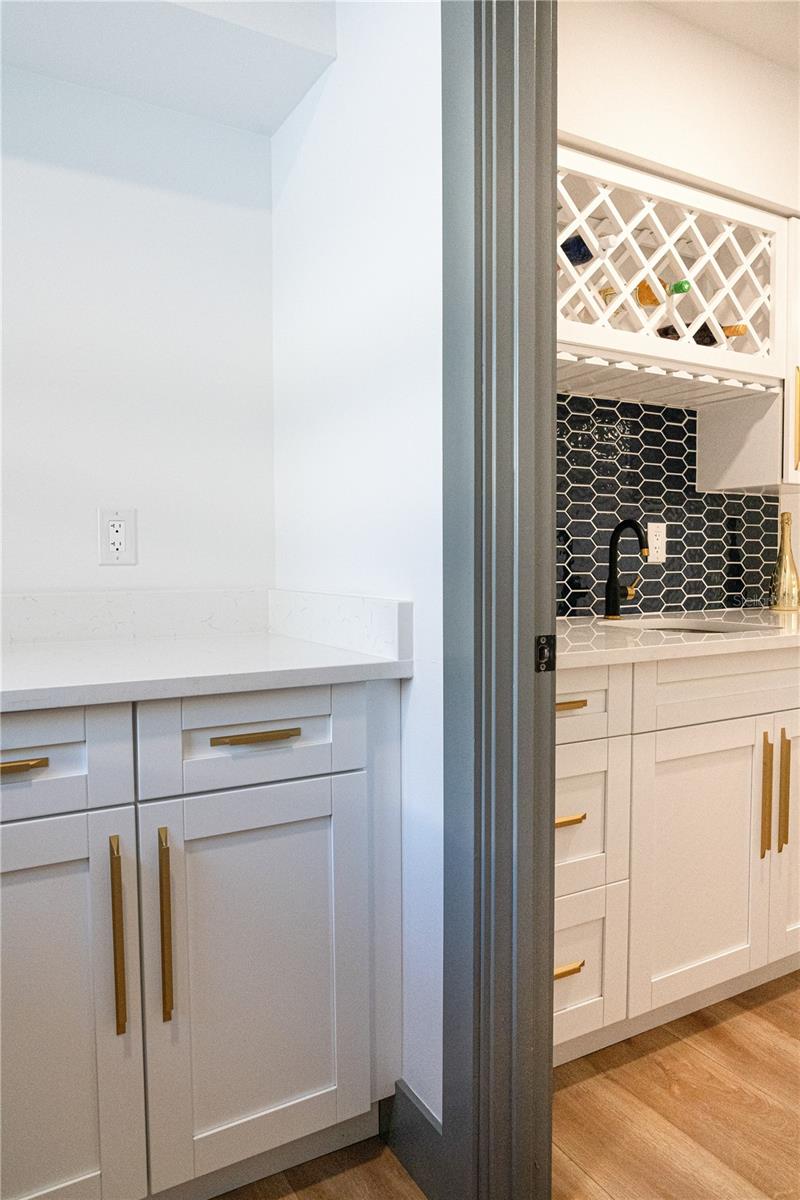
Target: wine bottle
645, 295
784, 593
703, 336
579, 253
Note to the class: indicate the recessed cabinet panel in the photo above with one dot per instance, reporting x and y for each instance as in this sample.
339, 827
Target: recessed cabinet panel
699, 884
674, 692
64, 759
592, 814
72, 1079
267, 1038
205, 743
590, 967
784, 903
593, 702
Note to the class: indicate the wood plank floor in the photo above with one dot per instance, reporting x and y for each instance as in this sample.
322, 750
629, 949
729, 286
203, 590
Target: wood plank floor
704, 1108
366, 1171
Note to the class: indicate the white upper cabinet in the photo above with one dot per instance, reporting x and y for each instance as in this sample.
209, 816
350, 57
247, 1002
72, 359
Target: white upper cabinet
623, 234
791, 412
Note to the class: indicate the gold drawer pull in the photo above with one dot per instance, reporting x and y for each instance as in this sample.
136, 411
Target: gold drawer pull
118, 934
165, 905
570, 705
250, 739
766, 796
783, 791
23, 764
570, 969
575, 819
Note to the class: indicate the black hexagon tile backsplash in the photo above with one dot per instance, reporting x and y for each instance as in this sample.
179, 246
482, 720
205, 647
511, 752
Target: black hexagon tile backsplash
617, 459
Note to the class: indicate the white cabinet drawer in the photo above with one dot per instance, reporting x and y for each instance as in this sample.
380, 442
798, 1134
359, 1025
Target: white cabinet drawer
591, 961
592, 702
690, 691
66, 759
207, 743
593, 795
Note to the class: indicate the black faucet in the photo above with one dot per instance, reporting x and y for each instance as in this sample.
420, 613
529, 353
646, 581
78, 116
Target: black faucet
615, 592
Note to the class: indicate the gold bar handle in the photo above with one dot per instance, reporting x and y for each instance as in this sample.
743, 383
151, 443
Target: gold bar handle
797, 418
250, 739
766, 796
118, 934
570, 705
575, 819
165, 905
569, 969
17, 766
783, 791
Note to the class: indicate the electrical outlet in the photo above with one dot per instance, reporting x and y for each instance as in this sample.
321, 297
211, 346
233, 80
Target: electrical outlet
116, 536
657, 541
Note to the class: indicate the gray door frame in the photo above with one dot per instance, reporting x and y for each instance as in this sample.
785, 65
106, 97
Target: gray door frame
499, 133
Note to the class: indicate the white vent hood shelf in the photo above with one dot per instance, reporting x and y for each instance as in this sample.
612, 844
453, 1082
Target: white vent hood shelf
606, 377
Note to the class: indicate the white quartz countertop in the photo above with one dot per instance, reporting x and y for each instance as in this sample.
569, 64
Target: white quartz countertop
55, 674
591, 641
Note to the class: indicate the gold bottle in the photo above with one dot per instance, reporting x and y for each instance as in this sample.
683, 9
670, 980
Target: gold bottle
785, 584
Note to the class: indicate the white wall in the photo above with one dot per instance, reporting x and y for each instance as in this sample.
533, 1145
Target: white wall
663, 91
137, 348
357, 301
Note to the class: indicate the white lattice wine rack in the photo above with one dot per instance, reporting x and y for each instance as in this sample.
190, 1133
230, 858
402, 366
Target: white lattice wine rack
642, 230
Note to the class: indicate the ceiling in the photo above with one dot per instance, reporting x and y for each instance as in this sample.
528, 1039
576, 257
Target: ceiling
770, 28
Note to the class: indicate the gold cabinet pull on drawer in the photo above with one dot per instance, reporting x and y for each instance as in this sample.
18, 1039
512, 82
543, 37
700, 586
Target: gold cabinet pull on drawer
118, 934
575, 819
569, 969
17, 766
570, 705
165, 907
783, 791
766, 796
251, 739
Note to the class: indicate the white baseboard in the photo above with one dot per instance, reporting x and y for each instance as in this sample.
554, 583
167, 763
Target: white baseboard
273, 1161
599, 1038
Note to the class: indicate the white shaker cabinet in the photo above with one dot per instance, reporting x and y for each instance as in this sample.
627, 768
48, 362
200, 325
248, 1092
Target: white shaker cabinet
791, 398
784, 905
255, 936
699, 858
72, 1078
593, 803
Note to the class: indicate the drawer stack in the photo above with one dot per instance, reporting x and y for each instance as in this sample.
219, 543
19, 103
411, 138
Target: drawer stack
592, 839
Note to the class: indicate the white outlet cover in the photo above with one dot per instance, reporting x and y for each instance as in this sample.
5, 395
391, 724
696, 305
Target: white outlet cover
116, 537
657, 541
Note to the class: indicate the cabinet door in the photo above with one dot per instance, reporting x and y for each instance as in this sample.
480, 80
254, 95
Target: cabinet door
784, 902
255, 906
699, 870
72, 1085
593, 796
